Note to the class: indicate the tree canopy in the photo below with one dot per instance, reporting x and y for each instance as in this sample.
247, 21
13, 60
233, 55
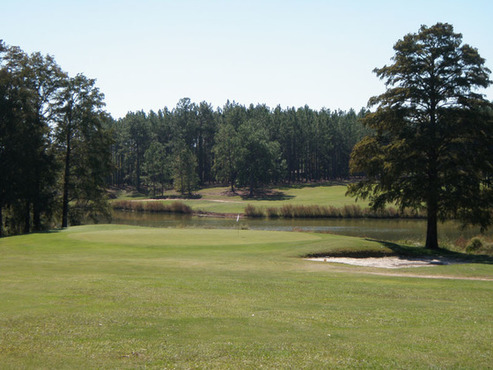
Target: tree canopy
84, 147
431, 132
301, 145
54, 149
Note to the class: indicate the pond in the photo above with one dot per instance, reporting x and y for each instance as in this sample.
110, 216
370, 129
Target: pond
413, 231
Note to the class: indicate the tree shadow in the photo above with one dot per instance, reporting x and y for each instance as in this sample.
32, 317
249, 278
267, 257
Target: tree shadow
410, 252
438, 257
315, 184
48, 231
267, 195
178, 196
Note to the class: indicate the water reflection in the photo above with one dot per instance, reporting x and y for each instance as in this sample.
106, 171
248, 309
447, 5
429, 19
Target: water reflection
391, 230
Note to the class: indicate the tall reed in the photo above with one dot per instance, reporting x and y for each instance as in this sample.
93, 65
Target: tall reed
252, 211
316, 211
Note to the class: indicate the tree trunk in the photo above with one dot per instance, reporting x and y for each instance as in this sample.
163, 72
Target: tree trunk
200, 157
433, 185
66, 178
1, 221
138, 174
252, 186
27, 217
37, 214
431, 228
37, 204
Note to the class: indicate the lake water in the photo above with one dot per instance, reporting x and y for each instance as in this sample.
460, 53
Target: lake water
381, 229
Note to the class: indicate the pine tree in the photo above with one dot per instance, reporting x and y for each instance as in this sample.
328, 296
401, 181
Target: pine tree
432, 133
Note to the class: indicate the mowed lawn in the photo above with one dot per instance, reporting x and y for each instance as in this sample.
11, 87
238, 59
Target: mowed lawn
219, 200
127, 297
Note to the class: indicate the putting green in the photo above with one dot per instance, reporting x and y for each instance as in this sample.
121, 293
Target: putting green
190, 237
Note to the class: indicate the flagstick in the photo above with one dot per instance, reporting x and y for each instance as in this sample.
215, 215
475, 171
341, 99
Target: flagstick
238, 222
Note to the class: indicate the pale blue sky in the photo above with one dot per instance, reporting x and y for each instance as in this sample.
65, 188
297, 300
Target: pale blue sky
148, 54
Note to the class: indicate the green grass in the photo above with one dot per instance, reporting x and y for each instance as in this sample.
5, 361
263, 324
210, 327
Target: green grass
218, 200
128, 297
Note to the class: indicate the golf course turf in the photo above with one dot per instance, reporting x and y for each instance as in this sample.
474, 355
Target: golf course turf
110, 296
221, 200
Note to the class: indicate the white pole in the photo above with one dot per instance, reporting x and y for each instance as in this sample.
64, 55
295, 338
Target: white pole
238, 222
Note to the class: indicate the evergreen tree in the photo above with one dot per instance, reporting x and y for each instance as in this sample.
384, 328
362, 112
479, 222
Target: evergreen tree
156, 166
38, 79
258, 158
185, 178
136, 140
432, 134
84, 145
226, 154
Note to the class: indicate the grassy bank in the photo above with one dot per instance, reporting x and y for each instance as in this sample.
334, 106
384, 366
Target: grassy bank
317, 201
221, 200
126, 297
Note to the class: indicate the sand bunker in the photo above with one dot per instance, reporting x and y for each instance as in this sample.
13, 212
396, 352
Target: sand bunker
388, 262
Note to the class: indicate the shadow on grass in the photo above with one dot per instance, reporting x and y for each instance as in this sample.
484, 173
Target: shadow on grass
403, 251
50, 231
407, 251
314, 184
268, 195
177, 196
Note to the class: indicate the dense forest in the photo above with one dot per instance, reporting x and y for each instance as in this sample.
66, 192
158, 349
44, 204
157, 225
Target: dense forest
55, 145
194, 145
60, 150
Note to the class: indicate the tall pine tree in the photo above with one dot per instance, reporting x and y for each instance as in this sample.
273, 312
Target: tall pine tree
432, 133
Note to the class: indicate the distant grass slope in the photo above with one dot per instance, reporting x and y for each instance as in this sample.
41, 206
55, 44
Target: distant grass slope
127, 297
219, 200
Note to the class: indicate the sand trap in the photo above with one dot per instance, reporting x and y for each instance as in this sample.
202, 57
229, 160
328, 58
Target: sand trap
388, 262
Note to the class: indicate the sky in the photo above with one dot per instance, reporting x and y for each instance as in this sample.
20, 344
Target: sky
148, 54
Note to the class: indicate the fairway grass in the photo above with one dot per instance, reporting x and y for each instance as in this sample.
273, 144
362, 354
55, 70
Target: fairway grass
220, 200
110, 296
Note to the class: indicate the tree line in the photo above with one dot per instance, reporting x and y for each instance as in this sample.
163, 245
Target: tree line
60, 150
55, 145
194, 145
